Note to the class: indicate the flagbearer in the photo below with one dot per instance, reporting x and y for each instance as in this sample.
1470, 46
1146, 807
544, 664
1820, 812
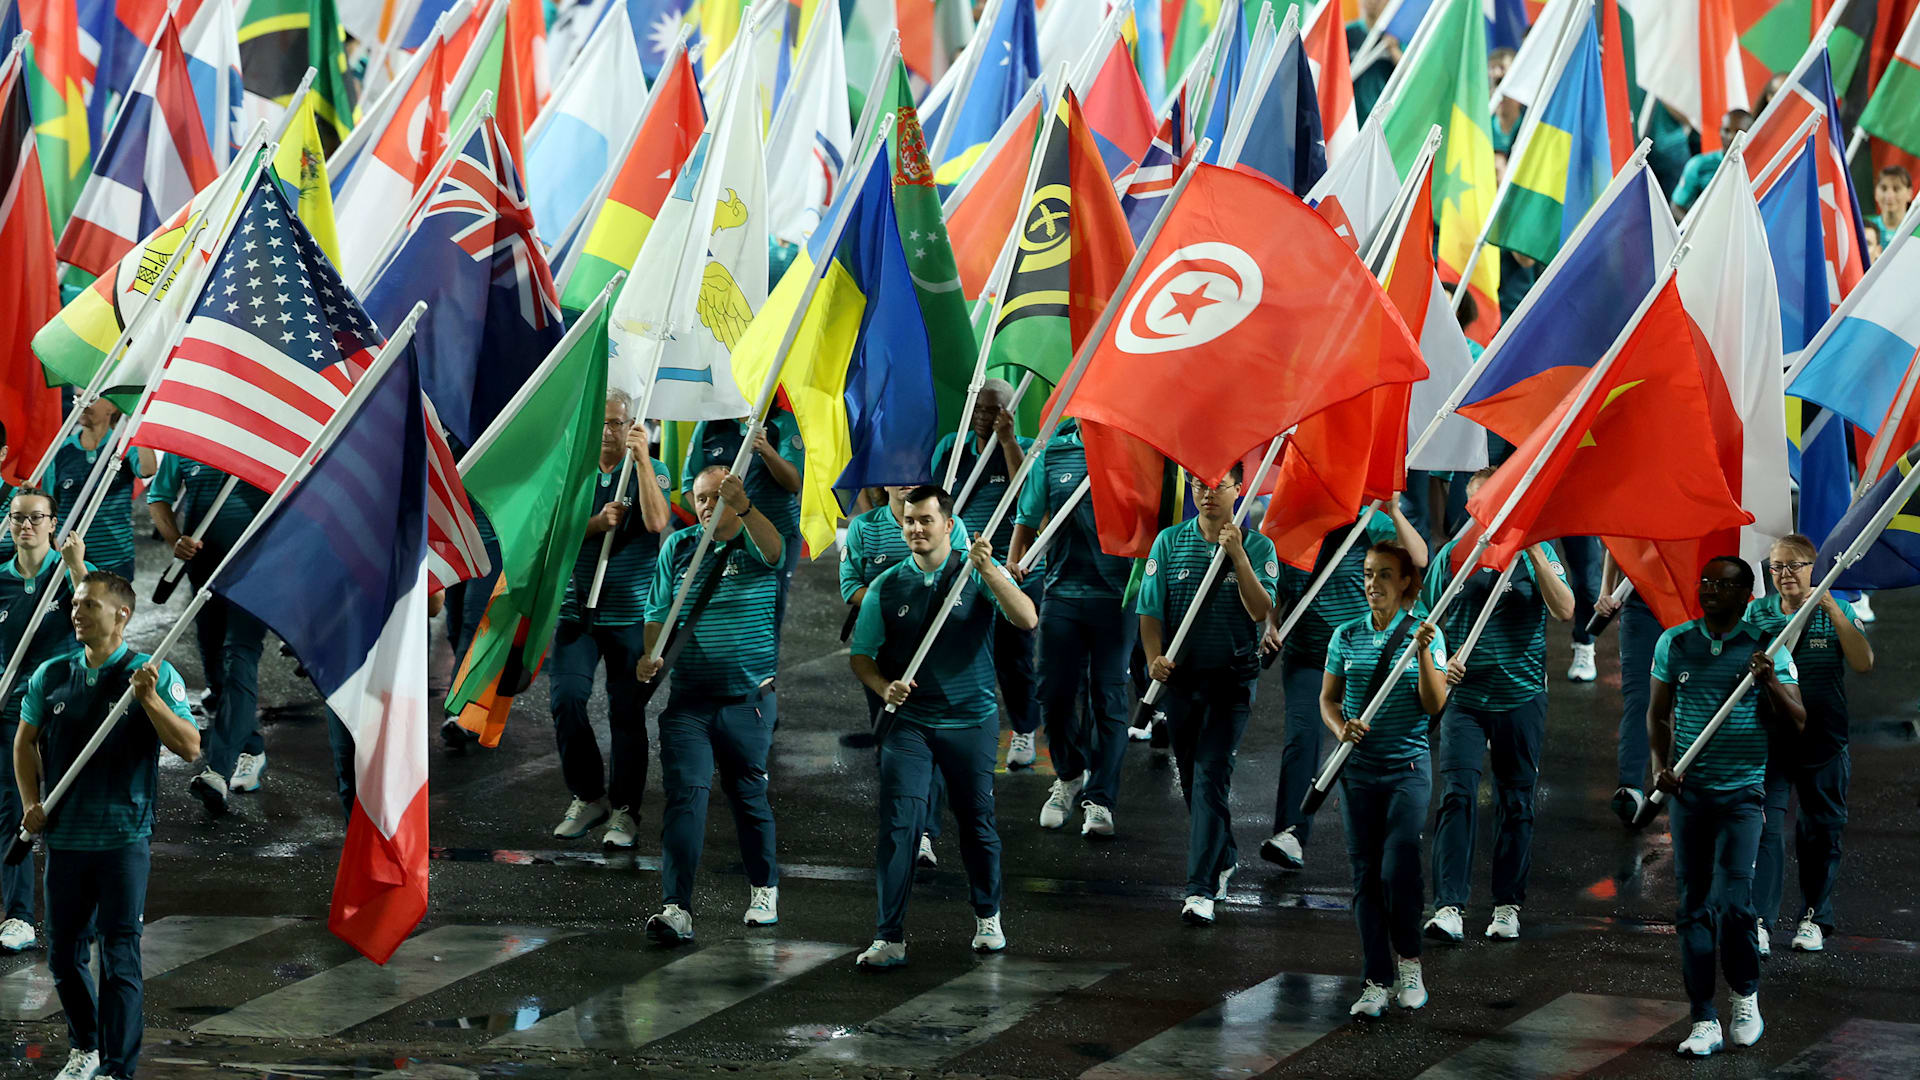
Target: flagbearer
97, 837
1210, 688
947, 719
1717, 808
1086, 638
110, 537
48, 480
772, 478
1815, 765
30, 577
720, 710
1497, 705
876, 542
1388, 780
991, 432
1303, 664
229, 639
610, 793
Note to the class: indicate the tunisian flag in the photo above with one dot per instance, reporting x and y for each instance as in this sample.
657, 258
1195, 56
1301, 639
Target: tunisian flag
1641, 460
30, 288
1249, 315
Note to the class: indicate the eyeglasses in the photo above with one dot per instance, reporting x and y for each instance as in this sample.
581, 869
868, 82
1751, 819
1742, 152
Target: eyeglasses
34, 518
1790, 567
614, 425
1721, 585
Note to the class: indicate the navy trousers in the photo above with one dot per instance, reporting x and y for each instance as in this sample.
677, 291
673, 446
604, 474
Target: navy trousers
1514, 739
910, 756
1384, 811
107, 891
1716, 837
1086, 644
698, 736
1822, 817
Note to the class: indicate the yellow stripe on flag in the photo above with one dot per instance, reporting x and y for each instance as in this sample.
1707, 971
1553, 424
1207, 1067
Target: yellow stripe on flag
618, 234
1544, 168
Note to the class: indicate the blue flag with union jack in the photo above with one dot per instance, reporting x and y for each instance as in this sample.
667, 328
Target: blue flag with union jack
492, 311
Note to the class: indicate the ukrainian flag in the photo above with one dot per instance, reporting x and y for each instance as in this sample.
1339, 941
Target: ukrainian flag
1008, 64
859, 377
1566, 161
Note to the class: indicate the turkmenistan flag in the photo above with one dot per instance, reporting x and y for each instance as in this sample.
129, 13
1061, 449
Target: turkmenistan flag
1073, 247
280, 40
1566, 162
1446, 83
1894, 112
532, 475
936, 278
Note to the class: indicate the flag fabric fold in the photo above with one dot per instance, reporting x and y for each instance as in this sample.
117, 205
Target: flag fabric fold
30, 289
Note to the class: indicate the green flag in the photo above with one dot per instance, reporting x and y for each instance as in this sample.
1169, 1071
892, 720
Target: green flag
534, 480
936, 277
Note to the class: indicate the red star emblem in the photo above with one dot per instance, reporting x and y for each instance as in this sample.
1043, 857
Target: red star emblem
1188, 304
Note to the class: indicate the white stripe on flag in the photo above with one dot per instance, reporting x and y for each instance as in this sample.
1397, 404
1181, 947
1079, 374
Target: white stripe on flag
383, 705
264, 352
166, 424
241, 392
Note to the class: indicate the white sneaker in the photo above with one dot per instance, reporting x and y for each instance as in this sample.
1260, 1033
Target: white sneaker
1627, 804
882, 955
81, 1065
1747, 1026
1702, 1041
211, 789
1283, 848
1197, 911
1372, 1003
1582, 669
1097, 820
1060, 799
987, 935
621, 829
1446, 925
581, 816
1020, 752
926, 857
1410, 989
17, 934
1808, 938
1220, 891
1506, 923
673, 926
1863, 609
1142, 733
1763, 941
763, 905
246, 772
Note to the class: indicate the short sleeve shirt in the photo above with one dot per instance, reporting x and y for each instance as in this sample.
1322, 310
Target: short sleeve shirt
194, 487
956, 680
1508, 667
875, 542
735, 645
19, 595
1170, 582
630, 564
717, 442
1398, 734
1822, 670
1342, 599
110, 538
987, 494
1703, 670
1077, 569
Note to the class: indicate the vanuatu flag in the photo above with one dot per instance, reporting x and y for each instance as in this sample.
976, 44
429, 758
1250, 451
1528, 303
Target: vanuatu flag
1447, 85
1073, 247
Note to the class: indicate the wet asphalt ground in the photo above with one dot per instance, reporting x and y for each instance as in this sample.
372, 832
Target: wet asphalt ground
532, 961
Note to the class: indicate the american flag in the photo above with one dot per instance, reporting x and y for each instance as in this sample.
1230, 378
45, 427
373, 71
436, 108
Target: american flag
455, 552
271, 348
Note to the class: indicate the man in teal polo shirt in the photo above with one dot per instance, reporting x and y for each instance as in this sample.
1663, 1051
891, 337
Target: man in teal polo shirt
1497, 707
720, 708
609, 792
1718, 808
31, 577
772, 478
110, 536
97, 837
947, 717
1210, 687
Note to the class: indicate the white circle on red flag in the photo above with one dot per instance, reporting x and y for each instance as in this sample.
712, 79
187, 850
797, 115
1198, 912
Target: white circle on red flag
1196, 294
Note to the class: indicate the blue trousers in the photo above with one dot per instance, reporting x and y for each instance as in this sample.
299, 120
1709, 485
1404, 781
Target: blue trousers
1300, 752
107, 891
576, 652
789, 559
1086, 643
16, 881
1716, 836
936, 787
1582, 556
1384, 811
340, 743
1513, 738
1207, 722
229, 640
910, 756
1822, 792
1639, 633
698, 735
1013, 664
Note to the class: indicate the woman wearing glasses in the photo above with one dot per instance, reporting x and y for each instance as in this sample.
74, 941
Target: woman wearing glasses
1813, 764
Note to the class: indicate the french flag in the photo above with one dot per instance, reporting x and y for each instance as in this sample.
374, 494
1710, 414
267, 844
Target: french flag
355, 534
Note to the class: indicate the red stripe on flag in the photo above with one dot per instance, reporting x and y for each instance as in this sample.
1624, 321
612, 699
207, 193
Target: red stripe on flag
216, 406
259, 373
380, 888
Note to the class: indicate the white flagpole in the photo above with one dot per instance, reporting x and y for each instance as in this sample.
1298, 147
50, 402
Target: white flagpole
1323, 783
589, 612
1060, 516
980, 460
957, 101
1486, 612
1793, 145
1068, 383
483, 111
23, 843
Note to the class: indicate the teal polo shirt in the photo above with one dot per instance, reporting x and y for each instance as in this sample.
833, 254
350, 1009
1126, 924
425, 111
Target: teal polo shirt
1508, 667
1223, 634
1077, 569
630, 565
1398, 734
875, 543
735, 645
717, 442
1341, 600
954, 687
1703, 670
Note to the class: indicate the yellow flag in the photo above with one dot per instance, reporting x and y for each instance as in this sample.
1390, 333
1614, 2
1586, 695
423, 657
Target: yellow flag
302, 166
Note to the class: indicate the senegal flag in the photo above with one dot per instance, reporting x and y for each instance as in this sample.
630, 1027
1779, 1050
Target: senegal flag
1446, 83
532, 476
1073, 247
858, 376
675, 119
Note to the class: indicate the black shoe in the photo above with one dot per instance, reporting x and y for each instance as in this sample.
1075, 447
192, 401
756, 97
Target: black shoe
455, 736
